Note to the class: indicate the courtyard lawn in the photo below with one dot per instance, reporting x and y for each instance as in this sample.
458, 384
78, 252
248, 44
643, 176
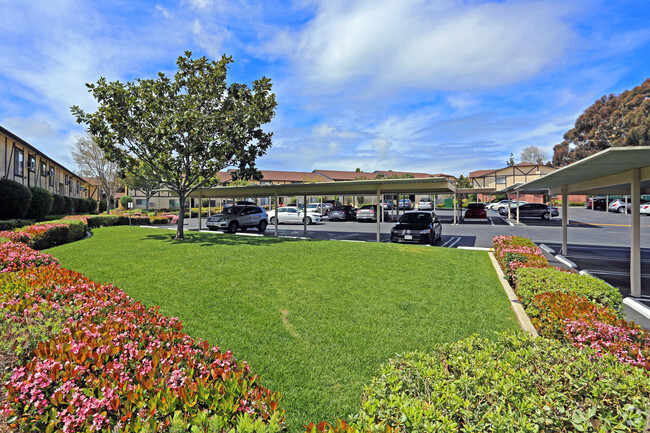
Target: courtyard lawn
315, 319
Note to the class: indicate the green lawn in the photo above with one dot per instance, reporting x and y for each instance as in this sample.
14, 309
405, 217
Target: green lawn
315, 318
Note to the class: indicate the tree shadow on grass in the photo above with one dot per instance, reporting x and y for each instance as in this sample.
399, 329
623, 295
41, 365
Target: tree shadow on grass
209, 239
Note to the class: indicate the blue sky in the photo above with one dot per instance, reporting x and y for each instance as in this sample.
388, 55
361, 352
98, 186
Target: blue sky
437, 86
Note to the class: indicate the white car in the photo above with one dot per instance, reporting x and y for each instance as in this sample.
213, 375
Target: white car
425, 203
645, 209
323, 209
513, 204
495, 206
293, 215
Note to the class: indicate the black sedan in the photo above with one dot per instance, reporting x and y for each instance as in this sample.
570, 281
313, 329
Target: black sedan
344, 213
417, 227
532, 210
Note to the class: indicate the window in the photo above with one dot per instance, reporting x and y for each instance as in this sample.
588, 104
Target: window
19, 160
501, 180
31, 163
43, 169
139, 202
173, 202
51, 175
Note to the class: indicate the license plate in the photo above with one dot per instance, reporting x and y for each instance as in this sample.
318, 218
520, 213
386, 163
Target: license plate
408, 237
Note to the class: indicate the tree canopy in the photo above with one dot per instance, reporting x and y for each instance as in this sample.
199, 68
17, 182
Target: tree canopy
611, 121
186, 129
532, 154
93, 162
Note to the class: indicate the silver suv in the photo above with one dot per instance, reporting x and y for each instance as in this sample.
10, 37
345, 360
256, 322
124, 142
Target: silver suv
238, 217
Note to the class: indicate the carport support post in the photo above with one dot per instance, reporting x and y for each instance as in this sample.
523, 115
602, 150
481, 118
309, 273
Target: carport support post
626, 204
304, 197
276, 213
517, 206
635, 245
455, 200
380, 211
200, 204
565, 218
607, 203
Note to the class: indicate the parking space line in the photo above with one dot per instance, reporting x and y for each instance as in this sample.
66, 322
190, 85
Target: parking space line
450, 244
491, 222
624, 274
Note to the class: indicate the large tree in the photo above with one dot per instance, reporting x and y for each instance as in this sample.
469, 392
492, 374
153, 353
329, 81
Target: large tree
186, 129
93, 162
532, 154
612, 121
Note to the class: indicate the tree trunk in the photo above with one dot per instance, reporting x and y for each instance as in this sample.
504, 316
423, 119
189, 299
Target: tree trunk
108, 205
146, 205
181, 217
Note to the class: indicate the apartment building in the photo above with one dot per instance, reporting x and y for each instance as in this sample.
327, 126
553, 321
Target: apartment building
22, 162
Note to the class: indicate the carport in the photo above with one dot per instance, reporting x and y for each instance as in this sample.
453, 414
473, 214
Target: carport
617, 170
432, 185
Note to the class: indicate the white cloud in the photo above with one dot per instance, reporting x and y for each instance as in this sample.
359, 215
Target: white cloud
164, 11
422, 44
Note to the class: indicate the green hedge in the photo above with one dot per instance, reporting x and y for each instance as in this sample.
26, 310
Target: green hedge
533, 281
15, 199
14, 224
512, 385
58, 205
41, 204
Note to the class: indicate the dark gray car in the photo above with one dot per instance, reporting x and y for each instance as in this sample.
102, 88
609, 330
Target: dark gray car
531, 210
238, 217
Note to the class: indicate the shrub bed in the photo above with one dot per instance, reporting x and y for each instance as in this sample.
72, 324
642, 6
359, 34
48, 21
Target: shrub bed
514, 384
532, 281
514, 252
102, 361
14, 224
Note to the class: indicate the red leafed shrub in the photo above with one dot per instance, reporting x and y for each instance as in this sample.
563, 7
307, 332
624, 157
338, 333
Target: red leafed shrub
576, 320
114, 364
514, 252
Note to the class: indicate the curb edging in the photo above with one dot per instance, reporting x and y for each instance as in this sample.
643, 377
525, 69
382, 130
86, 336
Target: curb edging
523, 319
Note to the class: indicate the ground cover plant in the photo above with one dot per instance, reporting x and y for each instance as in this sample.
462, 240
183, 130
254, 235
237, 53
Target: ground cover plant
83, 356
315, 319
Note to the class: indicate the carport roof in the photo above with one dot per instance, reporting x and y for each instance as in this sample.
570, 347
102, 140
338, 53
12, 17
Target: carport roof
606, 172
432, 185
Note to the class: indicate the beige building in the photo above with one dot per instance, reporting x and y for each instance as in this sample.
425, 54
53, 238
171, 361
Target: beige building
25, 164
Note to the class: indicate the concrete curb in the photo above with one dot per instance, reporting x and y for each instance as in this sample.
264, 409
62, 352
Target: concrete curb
523, 319
637, 306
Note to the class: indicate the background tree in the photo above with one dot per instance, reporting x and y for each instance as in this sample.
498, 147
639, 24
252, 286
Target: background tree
186, 129
141, 177
611, 121
533, 154
511, 161
93, 162
463, 182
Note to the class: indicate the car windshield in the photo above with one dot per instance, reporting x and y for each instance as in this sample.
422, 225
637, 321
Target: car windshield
422, 200
415, 218
232, 210
368, 206
476, 206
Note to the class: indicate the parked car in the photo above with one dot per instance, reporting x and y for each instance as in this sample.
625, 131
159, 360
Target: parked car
532, 210
476, 211
298, 205
513, 204
645, 209
368, 212
387, 205
344, 213
596, 203
293, 215
618, 205
238, 217
318, 208
495, 205
417, 227
425, 203
405, 204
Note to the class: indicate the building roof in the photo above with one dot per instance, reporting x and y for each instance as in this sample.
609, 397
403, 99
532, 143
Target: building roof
481, 173
339, 175
403, 173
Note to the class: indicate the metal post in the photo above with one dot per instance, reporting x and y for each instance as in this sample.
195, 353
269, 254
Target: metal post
607, 203
435, 199
200, 208
305, 213
276, 213
380, 211
625, 205
635, 245
517, 206
455, 200
508, 195
565, 218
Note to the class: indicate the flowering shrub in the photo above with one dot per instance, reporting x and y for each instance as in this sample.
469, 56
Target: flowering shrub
531, 281
512, 384
108, 362
16, 256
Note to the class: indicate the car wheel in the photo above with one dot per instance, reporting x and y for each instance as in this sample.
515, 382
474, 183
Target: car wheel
232, 228
262, 227
272, 220
308, 220
546, 216
212, 229
621, 209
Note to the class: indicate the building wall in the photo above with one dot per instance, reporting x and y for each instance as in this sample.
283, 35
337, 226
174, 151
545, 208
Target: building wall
23, 163
509, 176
